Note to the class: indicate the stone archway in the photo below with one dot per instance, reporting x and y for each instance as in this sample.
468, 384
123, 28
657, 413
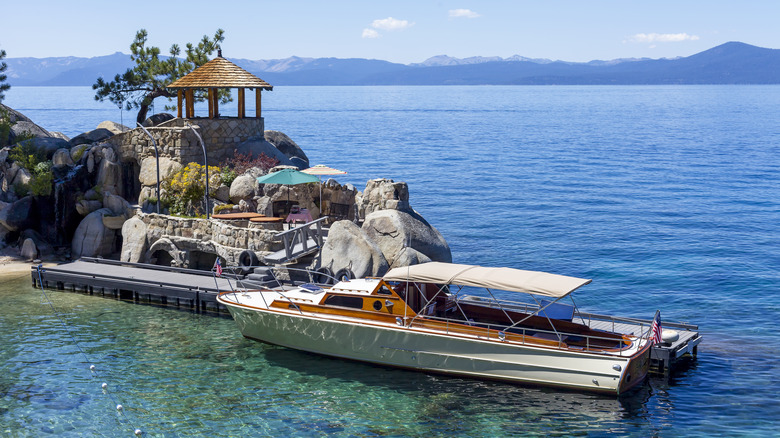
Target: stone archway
164, 253
201, 260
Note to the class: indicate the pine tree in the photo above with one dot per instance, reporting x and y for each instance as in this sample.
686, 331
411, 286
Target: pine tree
139, 86
3, 86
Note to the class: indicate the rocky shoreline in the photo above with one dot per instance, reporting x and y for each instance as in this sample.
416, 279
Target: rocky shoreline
96, 195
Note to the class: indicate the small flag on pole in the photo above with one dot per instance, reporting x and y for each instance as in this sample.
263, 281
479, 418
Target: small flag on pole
655, 332
218, 267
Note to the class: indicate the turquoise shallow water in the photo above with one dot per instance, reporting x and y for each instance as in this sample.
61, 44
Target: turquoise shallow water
667, 197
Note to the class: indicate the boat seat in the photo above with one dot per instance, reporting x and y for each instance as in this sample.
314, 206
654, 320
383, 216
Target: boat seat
563, 312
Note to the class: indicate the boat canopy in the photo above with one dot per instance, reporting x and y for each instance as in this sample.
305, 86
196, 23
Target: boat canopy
509, 279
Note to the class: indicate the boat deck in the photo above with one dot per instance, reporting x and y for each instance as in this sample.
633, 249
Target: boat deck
662, 356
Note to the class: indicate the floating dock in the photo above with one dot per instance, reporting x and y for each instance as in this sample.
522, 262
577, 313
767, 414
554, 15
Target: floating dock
197, 291
138, 282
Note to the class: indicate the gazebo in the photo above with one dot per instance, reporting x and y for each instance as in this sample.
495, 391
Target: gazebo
215, 74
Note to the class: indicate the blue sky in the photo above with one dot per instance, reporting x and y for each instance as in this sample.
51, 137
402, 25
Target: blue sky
399, 30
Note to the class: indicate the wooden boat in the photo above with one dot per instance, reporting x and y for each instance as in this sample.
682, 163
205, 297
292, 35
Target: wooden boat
420, 317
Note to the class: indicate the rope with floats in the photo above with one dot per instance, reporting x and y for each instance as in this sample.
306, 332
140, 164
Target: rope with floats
92, 368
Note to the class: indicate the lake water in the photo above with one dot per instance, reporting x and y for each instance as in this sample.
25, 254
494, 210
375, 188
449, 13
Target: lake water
668, 197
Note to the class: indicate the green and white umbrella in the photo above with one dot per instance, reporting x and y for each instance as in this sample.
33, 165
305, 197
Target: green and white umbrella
287, 177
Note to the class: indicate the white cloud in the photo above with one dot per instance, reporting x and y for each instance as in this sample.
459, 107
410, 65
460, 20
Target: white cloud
370, 33
463, 13
390, 23
662, 37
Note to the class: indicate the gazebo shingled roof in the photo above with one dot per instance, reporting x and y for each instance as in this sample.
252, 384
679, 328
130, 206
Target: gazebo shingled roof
218, 73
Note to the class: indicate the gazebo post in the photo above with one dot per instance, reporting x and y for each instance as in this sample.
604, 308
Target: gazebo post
178, 102
258, 103
211, 102
216, 103
241, 104
190, 103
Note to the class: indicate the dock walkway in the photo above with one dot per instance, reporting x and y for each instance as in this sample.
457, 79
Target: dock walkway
188, 288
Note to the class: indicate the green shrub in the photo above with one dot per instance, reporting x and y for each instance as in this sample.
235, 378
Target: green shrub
79, 153
228, 175
224, 207
5, 126
41, 184
21, 189
27, 155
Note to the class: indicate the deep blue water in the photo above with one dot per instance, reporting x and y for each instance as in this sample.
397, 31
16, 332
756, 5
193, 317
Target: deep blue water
668, 197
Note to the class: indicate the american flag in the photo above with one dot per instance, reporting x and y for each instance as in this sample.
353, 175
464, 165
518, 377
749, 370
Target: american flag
218, 267
655, 332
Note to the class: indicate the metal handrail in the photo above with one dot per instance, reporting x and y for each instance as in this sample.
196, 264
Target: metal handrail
495, 330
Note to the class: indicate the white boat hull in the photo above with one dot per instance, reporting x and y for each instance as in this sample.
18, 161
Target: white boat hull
427, 350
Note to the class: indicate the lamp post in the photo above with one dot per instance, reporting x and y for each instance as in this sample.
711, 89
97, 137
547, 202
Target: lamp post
157, 158
206, 162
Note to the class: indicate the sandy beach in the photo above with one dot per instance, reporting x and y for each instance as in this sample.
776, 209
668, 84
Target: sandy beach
14, 266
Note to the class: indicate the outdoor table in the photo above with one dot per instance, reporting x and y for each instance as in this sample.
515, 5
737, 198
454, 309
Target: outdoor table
232, 216
302, 215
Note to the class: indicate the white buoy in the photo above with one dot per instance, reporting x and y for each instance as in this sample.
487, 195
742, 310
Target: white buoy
118, 407
104, 385
92, 367
138, 432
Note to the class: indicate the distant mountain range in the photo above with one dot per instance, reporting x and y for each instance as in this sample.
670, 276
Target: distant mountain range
730, 63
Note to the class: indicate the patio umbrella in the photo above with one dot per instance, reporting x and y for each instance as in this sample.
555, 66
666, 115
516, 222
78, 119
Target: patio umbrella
288, 177
320, 170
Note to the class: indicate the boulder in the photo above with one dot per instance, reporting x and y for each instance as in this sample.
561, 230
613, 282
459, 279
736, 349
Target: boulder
394, 231
3, 236
349, 247
110, 176
117, 204
14, 115
258, 145
134, 243
78, 153
24, 127
114, 222
114, 127
18, 215
243, 187
92, 238
222, 193
288, 147
28, 250
157, 119
11, 171
61, 136
62, 158
49, 144
40, 242
383, 194
148, 173
22, 177
86, 206
93, 136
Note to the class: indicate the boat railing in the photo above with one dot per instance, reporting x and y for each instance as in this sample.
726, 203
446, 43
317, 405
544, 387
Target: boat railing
278, 283
527, 336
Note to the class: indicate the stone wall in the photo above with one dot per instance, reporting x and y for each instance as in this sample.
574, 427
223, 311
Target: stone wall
186, 240
177, 141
